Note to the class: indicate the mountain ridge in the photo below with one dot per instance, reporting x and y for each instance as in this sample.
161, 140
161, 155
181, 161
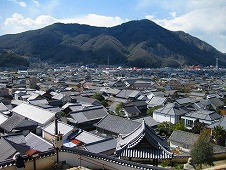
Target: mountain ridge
139, 43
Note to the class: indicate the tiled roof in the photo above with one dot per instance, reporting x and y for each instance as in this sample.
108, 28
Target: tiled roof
183, 137
38, 102
116, 124
148, 120
171, 109
17, 138
88, 114
35, 113
101, 146
88, 100
156, 101
157, 146
37, 143
113, 91
86, 137
6, 150
17, 121
124, 94
204, 115
138, 103
216, 102
62, 127
221, 122
184, 101
134, 94
131, 109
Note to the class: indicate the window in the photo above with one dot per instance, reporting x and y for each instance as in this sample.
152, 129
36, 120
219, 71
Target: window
189, 123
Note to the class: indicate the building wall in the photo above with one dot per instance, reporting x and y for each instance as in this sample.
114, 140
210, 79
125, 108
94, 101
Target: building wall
163, 118
91, 163
45, 163
47, 136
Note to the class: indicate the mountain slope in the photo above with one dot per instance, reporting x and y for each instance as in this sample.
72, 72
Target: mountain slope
136, 43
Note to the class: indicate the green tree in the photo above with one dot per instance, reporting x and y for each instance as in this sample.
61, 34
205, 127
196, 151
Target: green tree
166, 128
198, 127
118, 107
180, 126
152, 109
98, 96
202, 150
219, 135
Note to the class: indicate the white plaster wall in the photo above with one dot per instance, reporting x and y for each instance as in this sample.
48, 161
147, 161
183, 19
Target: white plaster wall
163, 118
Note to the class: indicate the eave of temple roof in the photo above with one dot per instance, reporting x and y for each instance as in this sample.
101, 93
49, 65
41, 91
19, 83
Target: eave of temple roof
130, 140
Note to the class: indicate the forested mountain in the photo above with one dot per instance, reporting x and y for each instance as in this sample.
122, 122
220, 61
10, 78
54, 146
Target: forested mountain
135, 43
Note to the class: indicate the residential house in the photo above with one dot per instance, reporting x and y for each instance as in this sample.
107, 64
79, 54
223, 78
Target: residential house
72, 107
182, 141
7, 151
85, 118
114, 125
206, 116
184, 101
41, 116
48, 132
221, 122
141, 84
129, 94
86, 101
171, 112
155, 93
112, 91
30, 141
81, 137
18, 123
131, 111
156, 101
216, 104
197, 95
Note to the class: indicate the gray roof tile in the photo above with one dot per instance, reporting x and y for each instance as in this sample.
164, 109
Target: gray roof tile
116, 124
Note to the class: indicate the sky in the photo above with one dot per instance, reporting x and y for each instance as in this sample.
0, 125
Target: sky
204, 19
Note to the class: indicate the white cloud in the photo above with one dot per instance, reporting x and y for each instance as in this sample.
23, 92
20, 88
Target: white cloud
208, 24
21, 3
18, 23
36, 3
95, 20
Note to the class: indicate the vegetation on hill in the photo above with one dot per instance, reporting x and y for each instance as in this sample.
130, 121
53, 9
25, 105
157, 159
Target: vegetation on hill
10, 59
136, 43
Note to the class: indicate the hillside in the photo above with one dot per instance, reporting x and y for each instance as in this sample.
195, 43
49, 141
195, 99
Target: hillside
136, 43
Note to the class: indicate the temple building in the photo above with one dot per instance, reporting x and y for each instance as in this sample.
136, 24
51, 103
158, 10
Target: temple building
143, 143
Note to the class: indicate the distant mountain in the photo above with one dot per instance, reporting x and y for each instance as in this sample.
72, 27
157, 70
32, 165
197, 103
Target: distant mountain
135, 43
